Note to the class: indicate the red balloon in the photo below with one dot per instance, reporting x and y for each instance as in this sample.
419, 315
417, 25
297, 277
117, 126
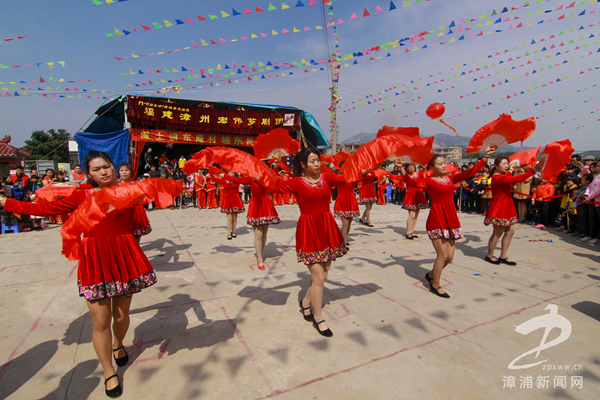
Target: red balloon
435, 111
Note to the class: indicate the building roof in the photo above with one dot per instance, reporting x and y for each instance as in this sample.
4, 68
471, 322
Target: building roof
6, 150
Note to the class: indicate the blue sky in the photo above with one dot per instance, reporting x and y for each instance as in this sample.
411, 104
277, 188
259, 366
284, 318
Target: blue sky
74, 31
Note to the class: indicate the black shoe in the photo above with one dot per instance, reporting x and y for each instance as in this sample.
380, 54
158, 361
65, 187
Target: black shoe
347, 245
362, 222
310, 317
428, 279
228, 237
435, 291
505, 261
491, 261
123, 360
326, 333
115, 392
411, 237
414, 236
370, 225
233, 235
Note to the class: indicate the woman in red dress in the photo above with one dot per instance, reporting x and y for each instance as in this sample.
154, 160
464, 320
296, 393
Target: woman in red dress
200, 180
211, 192
346, 206
443, 226
231, 203
381, 186
367, 196
501, 212
141, 224
414, 202
318, 238
261, 213
112, 266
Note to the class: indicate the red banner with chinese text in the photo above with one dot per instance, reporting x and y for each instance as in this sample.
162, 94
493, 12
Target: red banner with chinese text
168, 114
207, 139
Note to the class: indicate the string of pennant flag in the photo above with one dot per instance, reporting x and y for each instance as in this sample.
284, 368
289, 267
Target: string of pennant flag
49, 64
277, 65
364, 101
583, 126
210, 17
410, 39
249, 78
489, 103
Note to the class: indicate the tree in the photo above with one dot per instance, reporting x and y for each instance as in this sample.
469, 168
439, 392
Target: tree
51, 145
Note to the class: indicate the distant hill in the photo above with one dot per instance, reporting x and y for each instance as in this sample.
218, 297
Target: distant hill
441, 139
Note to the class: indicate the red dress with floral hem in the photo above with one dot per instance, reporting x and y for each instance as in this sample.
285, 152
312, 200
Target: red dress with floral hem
367, 193
261, 210
501, 211
318, 237
346, 205
111, 262
415, 199
231, 203
443, 219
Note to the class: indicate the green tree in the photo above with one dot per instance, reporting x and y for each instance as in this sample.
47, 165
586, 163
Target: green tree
51, 145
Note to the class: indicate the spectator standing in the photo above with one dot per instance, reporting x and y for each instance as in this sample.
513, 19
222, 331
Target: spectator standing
522, 200
542, 196
77, 176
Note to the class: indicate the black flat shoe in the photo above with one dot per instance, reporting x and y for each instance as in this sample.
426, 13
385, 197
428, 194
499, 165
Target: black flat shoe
229, 237
370, 225
362, 222
347, 245
409, 237
115, 392
488, 259
233, 235
123, 360
327, 332
435, 291
310, 317
414, 236
428, 279
505, 261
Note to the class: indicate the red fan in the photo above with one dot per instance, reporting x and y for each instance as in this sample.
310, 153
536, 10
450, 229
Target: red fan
198, 161
451, 169
275, 144
554, 158
501, 132
326, 159
95, 207
371, 154
239, 161
436, 111
387, 130
525, 157
325, 168
339, 157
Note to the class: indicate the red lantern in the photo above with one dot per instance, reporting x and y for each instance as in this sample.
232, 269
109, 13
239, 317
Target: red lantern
436, 110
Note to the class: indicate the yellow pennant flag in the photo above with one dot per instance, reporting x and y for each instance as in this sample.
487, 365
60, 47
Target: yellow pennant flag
274, 33
203, 42
167, 23
284, 6
51, 64
253, 36
118, 32
224, 14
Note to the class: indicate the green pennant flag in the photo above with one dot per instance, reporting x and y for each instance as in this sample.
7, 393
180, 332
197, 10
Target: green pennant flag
62, 63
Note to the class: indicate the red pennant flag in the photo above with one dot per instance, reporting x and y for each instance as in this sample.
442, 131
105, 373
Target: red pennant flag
42, 80
554, 158
258, 9
146, 28
366, 13
201, 18
213, 42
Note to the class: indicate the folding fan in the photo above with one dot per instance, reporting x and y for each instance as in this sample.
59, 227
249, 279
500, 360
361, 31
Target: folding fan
339, 157
554, 158
326, 159
380, 172
501, 132
387, 130
525, 157
371, 154
451, 169
274, 144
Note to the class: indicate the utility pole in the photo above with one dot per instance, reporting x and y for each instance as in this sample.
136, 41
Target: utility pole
335, 77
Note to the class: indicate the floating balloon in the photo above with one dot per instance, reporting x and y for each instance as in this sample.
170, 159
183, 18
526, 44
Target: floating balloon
436, 111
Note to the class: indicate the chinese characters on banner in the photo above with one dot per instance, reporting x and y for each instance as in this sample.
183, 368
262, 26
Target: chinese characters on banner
159, 114
209, 139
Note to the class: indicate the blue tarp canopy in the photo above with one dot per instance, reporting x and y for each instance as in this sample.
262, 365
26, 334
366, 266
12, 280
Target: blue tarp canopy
115, 144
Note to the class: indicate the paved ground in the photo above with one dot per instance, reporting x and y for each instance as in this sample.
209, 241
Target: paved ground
215, 327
